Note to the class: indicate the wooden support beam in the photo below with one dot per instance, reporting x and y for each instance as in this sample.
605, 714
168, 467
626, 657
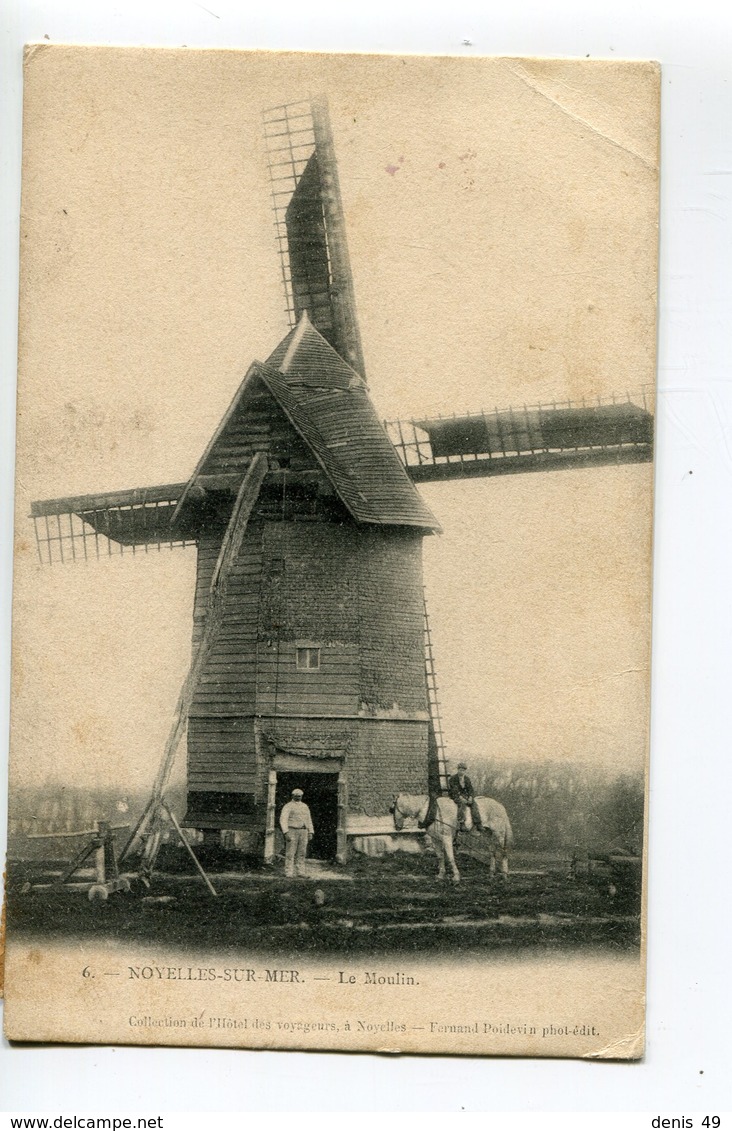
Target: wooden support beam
230, 547
228, 481
84, 504
531, 461
235, 531
189, 850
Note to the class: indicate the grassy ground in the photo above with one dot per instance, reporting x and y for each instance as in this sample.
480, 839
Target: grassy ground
373, 906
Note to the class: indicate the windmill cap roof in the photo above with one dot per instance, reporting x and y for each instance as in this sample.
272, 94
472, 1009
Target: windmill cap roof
327, 404
297, 793
306, 357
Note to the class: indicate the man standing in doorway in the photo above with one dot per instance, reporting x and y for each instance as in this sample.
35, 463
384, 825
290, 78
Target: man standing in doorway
297, 827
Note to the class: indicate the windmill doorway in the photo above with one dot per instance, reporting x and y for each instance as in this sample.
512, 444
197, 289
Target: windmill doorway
321, 796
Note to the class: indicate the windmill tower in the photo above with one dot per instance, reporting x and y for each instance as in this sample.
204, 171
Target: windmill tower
309, 630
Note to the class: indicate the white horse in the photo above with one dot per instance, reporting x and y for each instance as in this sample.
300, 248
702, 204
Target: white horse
497, 835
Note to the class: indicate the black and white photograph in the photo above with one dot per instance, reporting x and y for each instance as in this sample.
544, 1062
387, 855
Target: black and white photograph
332, 598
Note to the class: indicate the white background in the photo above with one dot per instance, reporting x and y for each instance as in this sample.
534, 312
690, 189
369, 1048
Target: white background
687, 1065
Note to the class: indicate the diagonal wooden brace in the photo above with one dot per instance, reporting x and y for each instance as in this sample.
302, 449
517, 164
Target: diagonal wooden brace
230, 547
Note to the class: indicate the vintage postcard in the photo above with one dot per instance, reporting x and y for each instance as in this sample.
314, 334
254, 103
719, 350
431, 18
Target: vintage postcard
333, 552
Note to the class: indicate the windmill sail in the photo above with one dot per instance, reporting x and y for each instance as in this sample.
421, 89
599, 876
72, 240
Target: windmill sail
316, 274
537, 438
480, 444
82, 526
311, 232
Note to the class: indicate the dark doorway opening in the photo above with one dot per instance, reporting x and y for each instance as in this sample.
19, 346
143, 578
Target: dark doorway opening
320, 794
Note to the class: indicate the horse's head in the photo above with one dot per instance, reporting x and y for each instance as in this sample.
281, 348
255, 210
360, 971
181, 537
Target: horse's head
397, 814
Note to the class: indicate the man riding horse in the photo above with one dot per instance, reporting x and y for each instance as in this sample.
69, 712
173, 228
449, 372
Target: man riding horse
459, 790
441, 829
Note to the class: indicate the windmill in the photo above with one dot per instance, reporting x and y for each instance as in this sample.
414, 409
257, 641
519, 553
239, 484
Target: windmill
312, 658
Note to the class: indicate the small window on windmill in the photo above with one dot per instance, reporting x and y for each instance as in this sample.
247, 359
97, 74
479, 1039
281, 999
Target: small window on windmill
307, 658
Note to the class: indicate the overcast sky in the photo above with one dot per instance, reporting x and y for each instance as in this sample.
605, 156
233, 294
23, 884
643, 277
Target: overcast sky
501, 221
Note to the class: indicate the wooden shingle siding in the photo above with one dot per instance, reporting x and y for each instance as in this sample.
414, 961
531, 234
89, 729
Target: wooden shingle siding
392, 622
388, 758
342, 429
310, 583
221, 755
309, 592
258, 424
227, 686
331, 690
327, 741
